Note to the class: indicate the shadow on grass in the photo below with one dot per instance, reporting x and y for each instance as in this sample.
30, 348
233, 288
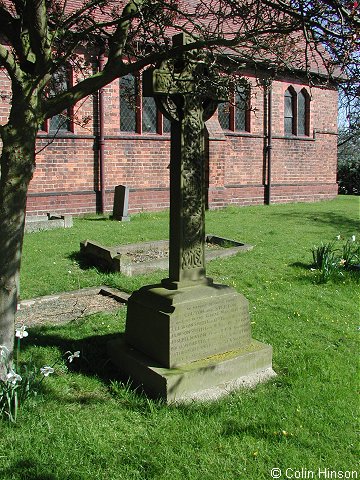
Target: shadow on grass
87, 263
301, 265
342, 223
94, 359
94, 362
27, 469
306, 273
83, 262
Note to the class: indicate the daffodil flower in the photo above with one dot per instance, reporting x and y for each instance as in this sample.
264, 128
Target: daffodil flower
13, 377
46, 371
21, 332
73, 355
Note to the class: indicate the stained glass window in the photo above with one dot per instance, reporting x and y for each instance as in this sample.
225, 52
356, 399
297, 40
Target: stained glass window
60, 83
296, 112
224, 115
139, 114
301, 114
128, 93
234, 115
166, 125
289, 111
241, 105
59, 123
149, 115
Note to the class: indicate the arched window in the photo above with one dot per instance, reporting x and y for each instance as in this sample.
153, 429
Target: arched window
303, 113
290, 112
224, 115
296, 112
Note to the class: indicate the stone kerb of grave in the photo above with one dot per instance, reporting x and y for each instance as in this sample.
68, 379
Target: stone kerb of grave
188, 334
47, 222
145, 257
106, 258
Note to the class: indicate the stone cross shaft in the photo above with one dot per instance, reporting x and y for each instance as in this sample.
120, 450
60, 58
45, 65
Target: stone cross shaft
185, 94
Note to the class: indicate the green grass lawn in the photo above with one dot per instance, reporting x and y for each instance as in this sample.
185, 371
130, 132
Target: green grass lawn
85, 426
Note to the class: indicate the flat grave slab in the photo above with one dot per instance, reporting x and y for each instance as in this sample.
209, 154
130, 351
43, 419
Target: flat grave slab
68, 306
138, 258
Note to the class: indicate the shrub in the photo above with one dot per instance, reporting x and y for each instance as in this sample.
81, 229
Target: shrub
349, 176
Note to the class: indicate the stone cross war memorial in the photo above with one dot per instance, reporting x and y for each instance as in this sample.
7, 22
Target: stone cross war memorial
188, 337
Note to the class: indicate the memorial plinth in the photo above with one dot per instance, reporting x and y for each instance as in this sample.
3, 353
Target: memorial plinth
175, 327
190, 343
206, 379
188, 337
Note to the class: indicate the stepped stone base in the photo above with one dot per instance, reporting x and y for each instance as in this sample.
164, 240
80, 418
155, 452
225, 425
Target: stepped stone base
190, 342
205, 379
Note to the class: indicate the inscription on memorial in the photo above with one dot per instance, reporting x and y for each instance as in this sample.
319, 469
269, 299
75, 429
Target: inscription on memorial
204, 329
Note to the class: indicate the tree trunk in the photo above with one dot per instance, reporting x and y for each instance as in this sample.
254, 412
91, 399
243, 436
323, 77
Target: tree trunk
17, 165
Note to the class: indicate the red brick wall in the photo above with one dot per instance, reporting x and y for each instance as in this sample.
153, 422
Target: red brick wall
66, 179
302, 168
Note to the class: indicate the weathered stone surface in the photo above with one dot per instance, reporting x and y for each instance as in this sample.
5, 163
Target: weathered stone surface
176, 327
119, 258
121, 204
103, 257
205, 379
68, 306
47, 222
187, 334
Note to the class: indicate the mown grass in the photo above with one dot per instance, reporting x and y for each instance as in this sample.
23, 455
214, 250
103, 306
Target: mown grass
83, 425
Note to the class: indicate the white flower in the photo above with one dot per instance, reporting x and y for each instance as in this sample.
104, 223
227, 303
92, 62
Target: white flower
21, 332
338, 237
46, 371
13, 377
353, 238
73, 355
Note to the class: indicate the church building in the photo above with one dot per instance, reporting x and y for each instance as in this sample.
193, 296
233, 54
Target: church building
274, 142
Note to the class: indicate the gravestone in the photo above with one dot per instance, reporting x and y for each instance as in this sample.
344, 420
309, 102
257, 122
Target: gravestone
188, 337
121, 204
